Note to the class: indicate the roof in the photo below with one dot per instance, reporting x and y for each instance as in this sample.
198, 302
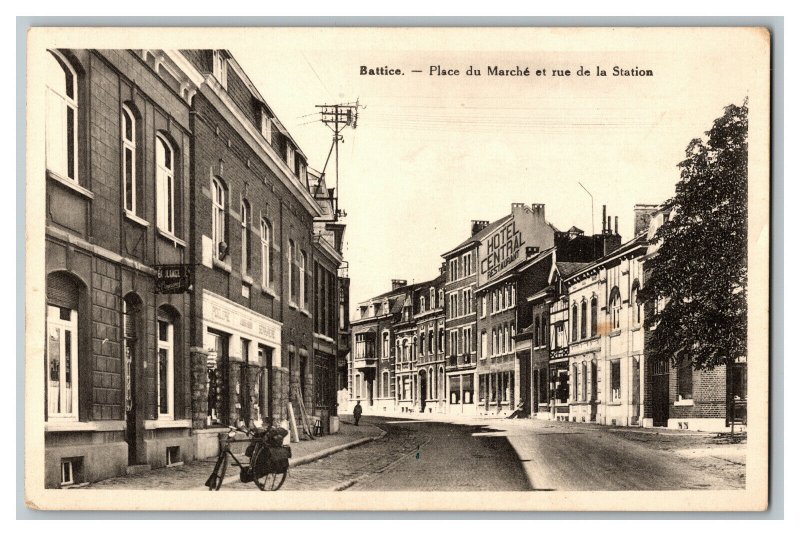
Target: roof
574, 229
497, 278
569, 268
477, 237
638, 241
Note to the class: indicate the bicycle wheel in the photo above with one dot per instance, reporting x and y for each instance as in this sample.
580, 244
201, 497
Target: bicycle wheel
268, 481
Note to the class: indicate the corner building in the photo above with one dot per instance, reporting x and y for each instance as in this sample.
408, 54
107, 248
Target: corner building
118, 175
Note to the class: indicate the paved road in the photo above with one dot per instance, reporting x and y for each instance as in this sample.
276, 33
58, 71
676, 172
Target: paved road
501, 455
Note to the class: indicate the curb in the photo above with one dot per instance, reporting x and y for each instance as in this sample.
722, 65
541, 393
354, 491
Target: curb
308, 458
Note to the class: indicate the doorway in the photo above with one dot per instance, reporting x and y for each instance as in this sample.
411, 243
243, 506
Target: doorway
660, 392
423, 390
131, 334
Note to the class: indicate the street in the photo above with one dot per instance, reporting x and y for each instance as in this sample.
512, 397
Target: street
516, 455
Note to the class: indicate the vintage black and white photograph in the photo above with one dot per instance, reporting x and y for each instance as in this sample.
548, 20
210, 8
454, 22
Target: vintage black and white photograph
490, 268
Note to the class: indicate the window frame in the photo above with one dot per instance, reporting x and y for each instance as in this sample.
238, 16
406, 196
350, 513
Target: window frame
267, 276
246, 243
126, 116
53, 319
72, 104
168, 346
218, 230
220, 68
165, 178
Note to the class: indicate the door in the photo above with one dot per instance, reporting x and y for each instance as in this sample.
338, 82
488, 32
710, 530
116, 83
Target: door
423, 390
130, 331
660, 393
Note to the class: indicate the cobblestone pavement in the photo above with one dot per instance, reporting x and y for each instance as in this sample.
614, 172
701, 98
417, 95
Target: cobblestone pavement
193, 474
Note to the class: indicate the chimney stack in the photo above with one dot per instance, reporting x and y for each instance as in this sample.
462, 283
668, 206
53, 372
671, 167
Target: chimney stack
478, 226
608, 227
397, 283
616, 224
604, 219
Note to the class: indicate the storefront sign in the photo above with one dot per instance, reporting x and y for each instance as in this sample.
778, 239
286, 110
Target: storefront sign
173, 278
500, 249
231, 317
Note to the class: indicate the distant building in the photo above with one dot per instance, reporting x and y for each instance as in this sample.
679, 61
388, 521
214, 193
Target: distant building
429, 317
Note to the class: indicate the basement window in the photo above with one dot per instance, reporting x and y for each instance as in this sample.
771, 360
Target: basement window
173, 455
71, 471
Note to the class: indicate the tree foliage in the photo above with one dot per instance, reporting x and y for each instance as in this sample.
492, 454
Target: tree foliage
700, 271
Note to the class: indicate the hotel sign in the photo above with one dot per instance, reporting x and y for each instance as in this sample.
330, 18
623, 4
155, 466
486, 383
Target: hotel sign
500, 249
173, 278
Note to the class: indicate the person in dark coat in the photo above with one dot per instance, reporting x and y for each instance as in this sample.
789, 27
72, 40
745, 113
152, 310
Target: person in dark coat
357, 411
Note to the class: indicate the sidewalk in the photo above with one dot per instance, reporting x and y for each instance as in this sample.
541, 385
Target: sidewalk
193, 474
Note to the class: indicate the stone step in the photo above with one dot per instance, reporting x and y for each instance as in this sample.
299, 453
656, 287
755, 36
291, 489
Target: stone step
137, 469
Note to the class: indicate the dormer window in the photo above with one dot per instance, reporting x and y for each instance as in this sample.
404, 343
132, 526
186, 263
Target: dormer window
221, 68
266, 126
290, 156
301, 171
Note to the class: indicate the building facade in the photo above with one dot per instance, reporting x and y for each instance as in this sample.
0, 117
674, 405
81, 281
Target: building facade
429, 307
118, 375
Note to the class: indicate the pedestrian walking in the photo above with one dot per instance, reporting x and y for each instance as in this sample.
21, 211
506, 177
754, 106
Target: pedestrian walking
357, 412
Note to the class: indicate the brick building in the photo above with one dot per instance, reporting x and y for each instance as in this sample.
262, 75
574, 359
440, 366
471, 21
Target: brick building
117, 368
681, 397
266, 254
429, 316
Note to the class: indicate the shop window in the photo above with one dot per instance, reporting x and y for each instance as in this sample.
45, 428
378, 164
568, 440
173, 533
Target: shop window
562, 386
467, 388
61, 117
165, 185
685, 380
129, 158
455, 389
616, 385
165, 368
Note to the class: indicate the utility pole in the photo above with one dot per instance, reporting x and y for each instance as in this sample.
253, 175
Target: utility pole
337, 117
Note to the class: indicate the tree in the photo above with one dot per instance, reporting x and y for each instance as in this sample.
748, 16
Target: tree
699, 275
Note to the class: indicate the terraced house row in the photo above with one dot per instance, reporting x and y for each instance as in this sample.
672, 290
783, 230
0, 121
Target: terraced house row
526, 317
192, 263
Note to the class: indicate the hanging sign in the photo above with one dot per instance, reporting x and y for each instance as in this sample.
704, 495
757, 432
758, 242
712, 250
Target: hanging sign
173, 278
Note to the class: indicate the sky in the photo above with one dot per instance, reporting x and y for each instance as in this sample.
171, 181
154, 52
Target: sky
432, 153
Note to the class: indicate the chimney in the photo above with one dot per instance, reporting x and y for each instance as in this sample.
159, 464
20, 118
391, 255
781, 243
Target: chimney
538, 209
397, 283
604, 219
616, 224
608, 227
642, 214
531, 250
478, 226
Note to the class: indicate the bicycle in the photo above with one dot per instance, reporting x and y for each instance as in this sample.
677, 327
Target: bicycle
268, 462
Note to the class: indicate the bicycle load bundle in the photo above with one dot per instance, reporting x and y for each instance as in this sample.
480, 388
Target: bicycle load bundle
275, 456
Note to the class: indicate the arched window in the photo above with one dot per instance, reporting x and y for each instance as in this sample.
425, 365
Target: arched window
63, 293
422, 343
267, 275
583, 319
430, 342
574, 322
165, 367
616, 305
61, 117
129, 158
593, 309
218, 218
165, 186
245, 213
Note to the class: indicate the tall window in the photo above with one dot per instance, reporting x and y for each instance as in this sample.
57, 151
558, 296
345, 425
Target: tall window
593, 309
441, 298
218, 218
536, 331
131, 310
61, 117
616, 384
245, 237
421, 304
637, 307
483, 306
294, 284
430, 342
290, 156
616, 305
165, 366
484, 344
574, 322
583, 320
584, 383
685, 380
432, 298
129, 158
267, 276
303, 279
494, 342
165, 186
62, 362
512, 334
385, 346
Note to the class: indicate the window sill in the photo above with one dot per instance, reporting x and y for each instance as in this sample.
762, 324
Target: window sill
171, 237
615, 333
292, 305
71, 184
69, 425
136, 219
689, 402
637, 328
269, 292
247, 280
305, 312
165, 421
225, 267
